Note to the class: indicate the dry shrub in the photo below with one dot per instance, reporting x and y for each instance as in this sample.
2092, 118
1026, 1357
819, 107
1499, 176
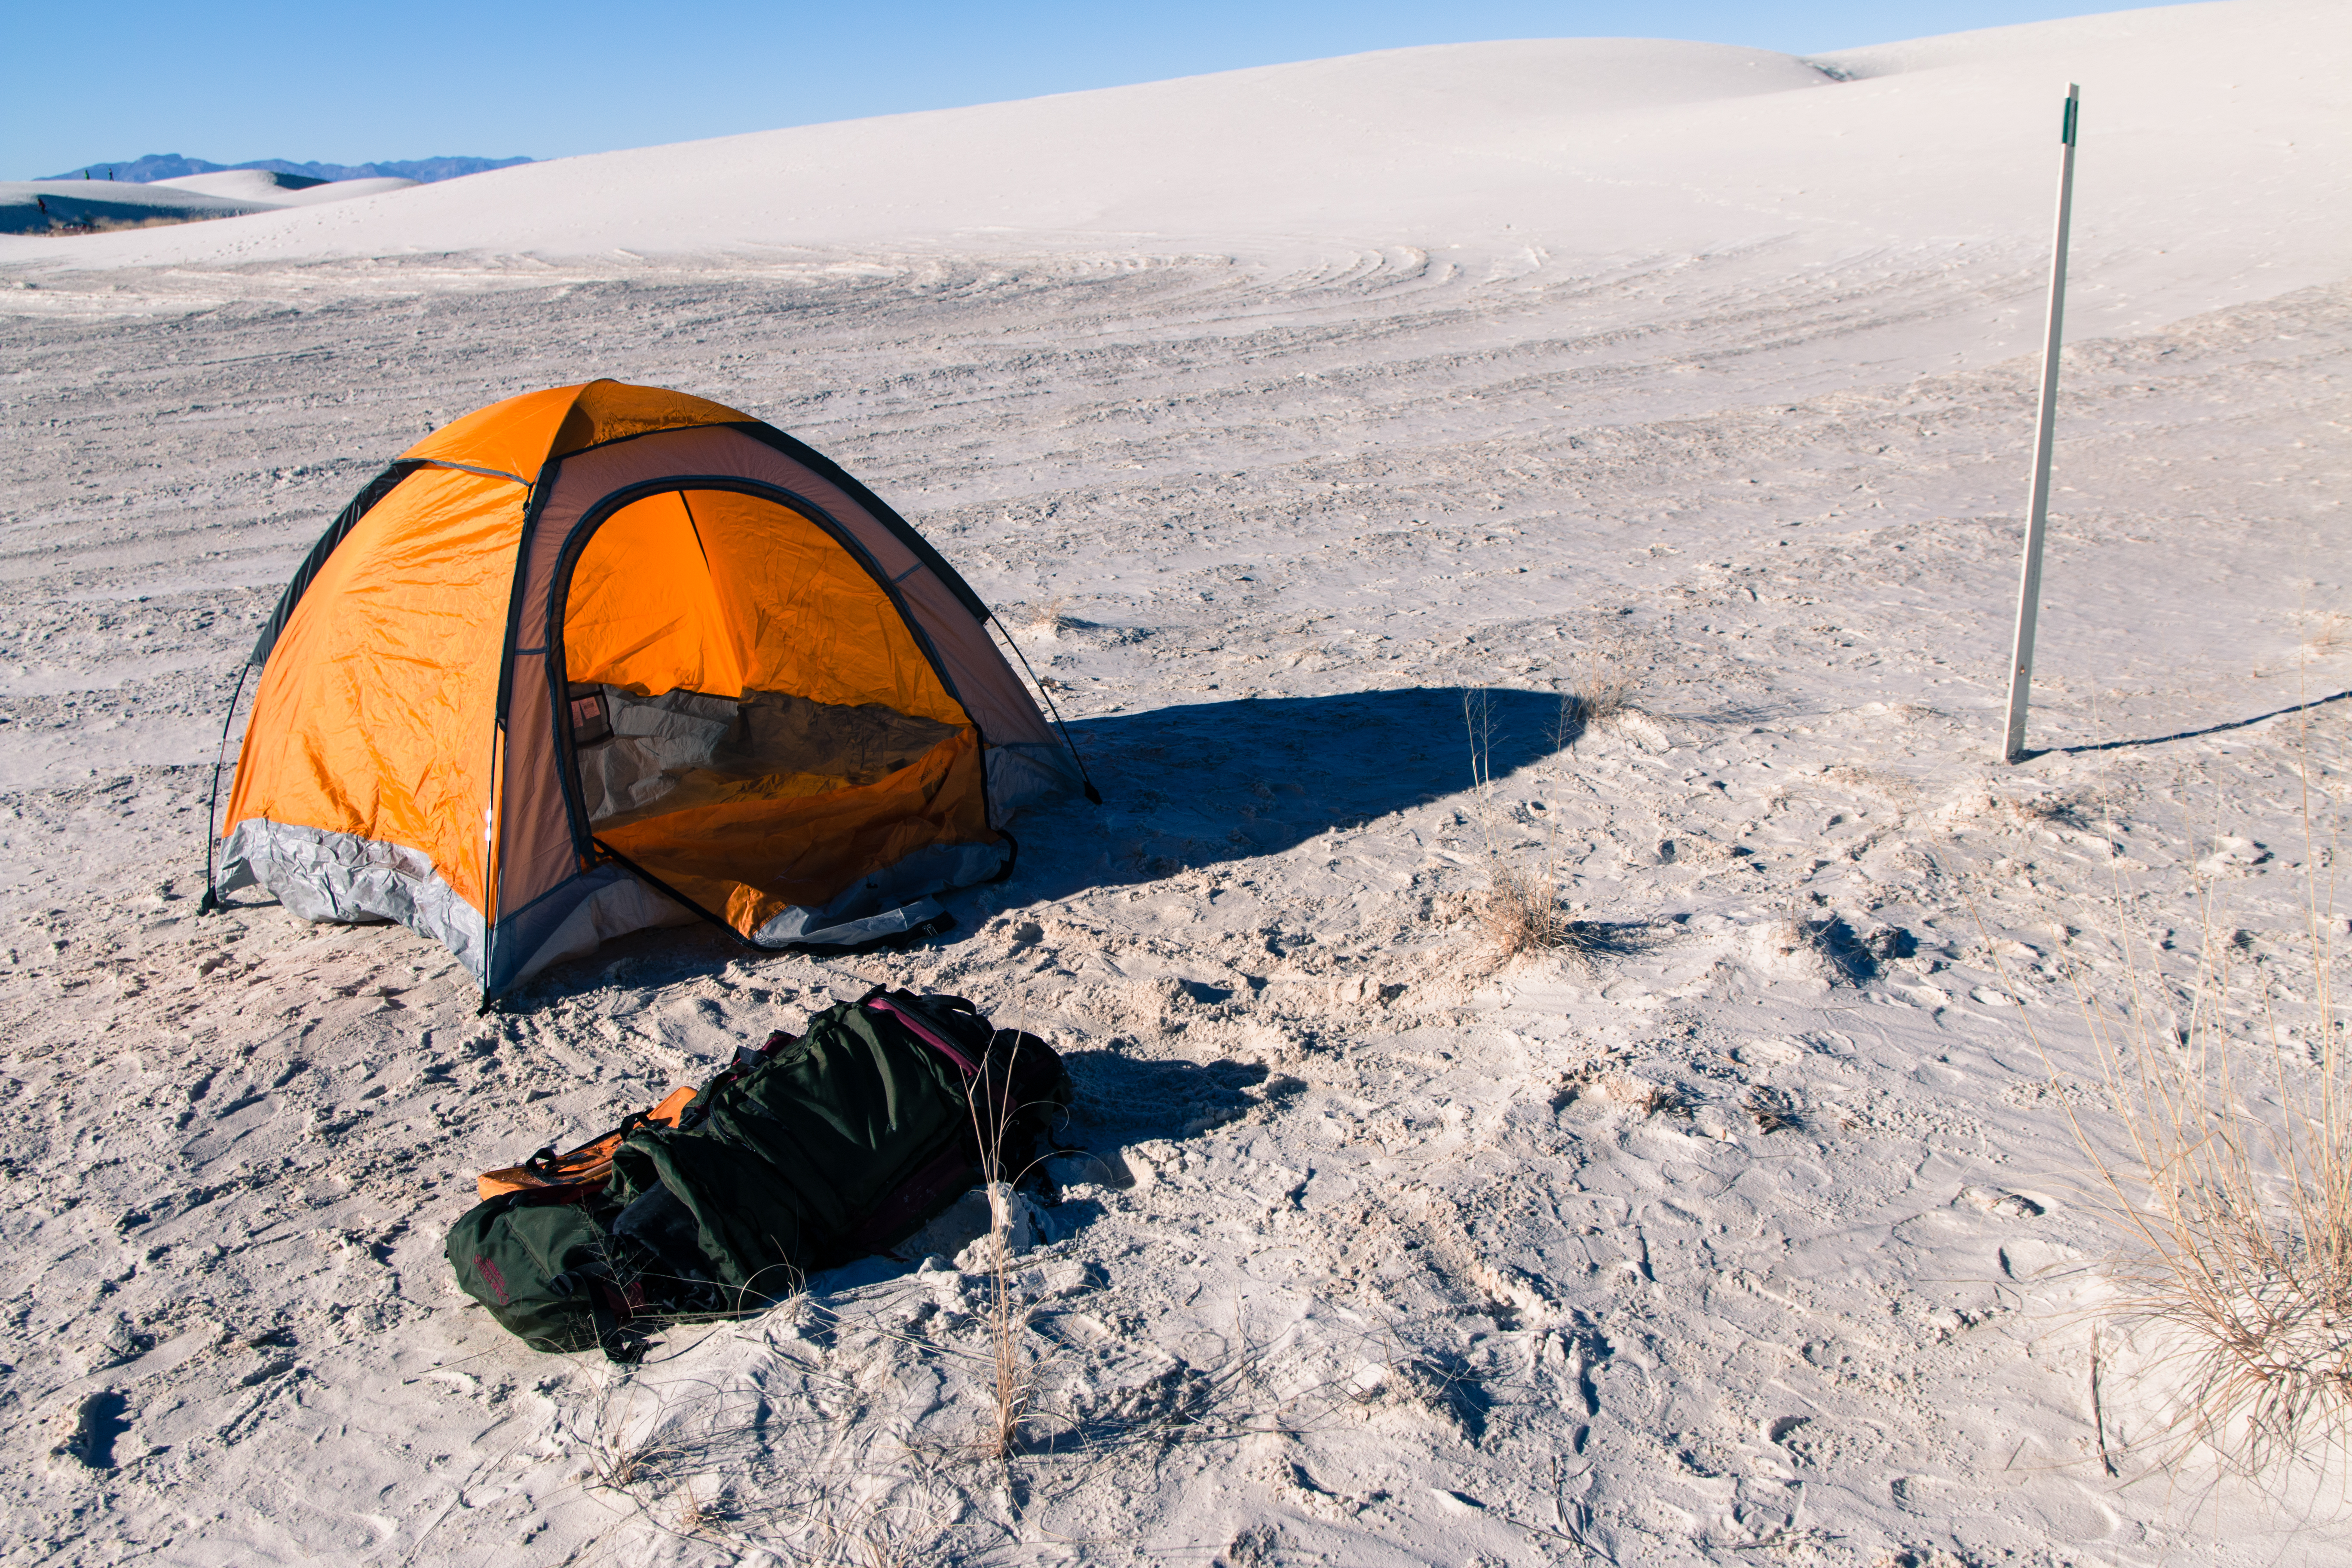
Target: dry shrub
2234, 1196
1888, 788
1523, 908
1772, 1110
1521, 912
2243, 1210
1788, 936
1600, 699
2076, 808
1648, 1098
697, 1515
2326, 632
1050, 618
630, 1445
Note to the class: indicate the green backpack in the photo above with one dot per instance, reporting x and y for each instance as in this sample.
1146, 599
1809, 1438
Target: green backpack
806, 1153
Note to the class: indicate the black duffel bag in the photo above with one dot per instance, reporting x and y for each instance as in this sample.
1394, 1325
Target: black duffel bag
810, 1152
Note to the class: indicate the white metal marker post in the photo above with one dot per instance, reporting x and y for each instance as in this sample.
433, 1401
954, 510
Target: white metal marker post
2028, 583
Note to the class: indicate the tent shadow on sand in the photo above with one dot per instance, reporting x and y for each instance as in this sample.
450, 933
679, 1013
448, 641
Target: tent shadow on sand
1203, 784
1186, 787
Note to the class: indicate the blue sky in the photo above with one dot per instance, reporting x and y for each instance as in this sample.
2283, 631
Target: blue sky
358, 83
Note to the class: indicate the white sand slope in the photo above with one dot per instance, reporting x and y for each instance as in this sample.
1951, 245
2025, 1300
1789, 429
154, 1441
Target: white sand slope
1756, 1233
1574, 146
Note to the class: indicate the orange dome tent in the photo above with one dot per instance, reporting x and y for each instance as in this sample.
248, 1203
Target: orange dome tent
605, 657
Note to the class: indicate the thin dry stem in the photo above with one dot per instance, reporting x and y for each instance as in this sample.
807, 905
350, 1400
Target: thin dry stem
618, 1461
1521, 910
1006, 1321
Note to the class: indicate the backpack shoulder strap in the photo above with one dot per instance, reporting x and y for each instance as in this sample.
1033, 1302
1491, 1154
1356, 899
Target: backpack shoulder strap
586, 1168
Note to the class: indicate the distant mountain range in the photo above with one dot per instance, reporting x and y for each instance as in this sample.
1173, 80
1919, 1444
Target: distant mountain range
157, 166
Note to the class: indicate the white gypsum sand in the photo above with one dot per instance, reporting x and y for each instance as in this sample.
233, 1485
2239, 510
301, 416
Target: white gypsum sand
269, 185
1753, 1232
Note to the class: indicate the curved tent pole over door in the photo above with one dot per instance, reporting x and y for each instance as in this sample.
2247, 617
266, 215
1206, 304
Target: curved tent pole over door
212, 899
576, 543
494, 860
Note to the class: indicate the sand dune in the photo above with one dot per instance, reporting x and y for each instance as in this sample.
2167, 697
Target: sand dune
30, 207
2208, 174
42, 207
269, 185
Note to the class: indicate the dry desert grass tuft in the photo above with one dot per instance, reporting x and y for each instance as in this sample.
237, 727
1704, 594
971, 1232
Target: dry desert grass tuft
1600, 699
2234, 1191
628, 1444
1048, 618
1521, 911
1523, 908
2326, 632
2243, 1209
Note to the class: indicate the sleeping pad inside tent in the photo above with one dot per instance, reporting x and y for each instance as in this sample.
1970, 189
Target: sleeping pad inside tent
607, 656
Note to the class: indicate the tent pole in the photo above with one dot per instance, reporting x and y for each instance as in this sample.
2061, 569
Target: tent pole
2028, 582
1092, 795
212, 899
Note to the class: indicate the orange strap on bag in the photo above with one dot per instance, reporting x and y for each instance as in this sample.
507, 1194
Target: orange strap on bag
583, 1170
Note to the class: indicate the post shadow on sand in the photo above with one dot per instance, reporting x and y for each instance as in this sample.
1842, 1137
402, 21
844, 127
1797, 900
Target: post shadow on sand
2187, 734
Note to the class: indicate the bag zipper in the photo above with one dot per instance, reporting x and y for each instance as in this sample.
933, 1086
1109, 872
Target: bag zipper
923, 1033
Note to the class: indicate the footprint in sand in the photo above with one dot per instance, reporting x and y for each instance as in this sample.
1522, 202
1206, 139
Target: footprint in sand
1994, 1201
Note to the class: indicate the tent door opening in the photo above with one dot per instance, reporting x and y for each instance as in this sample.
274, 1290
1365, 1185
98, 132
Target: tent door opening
747, 715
